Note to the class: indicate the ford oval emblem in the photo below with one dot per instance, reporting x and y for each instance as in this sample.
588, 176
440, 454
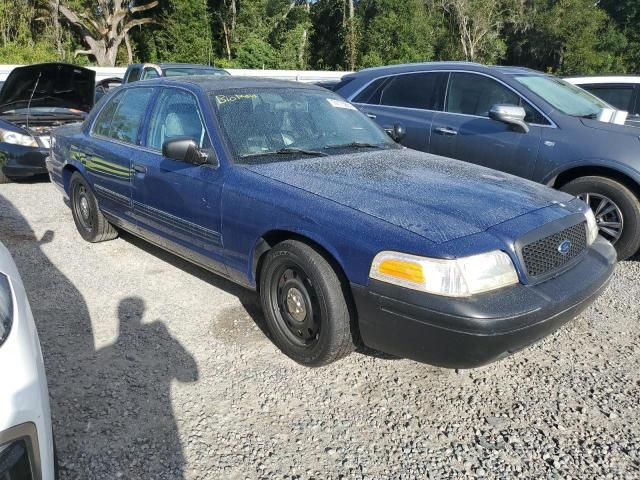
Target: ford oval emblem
564, 247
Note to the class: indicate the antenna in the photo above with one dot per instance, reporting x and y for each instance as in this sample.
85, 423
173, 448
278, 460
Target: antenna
31, 97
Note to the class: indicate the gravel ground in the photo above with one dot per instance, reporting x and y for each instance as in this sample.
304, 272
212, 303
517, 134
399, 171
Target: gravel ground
160, 370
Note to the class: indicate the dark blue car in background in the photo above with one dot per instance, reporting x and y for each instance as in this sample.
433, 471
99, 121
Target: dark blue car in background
518, 121
349, 238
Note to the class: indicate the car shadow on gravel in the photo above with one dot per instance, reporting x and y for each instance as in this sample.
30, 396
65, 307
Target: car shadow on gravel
111, 407
249, 300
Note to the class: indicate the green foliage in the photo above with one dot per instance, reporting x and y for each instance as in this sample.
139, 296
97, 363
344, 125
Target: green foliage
560, 36
396, 32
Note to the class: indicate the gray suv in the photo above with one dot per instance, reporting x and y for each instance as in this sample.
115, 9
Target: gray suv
516, 120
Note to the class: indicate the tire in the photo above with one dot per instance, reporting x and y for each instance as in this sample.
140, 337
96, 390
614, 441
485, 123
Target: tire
595, 190
90, 222
304, 305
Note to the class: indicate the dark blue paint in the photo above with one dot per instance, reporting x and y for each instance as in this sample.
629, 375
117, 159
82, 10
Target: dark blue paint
541, 155
352, 205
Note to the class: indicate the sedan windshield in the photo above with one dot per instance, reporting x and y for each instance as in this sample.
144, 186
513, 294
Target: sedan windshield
290, 123
563, 96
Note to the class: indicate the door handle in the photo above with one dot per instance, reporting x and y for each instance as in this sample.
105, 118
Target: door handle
446, 131
139, 168
371, 115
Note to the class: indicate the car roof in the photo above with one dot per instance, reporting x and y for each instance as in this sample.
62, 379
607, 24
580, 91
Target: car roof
212, 83
587, 79
428, 66
188, 65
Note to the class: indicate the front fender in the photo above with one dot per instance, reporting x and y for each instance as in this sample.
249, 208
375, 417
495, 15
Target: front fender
602, 163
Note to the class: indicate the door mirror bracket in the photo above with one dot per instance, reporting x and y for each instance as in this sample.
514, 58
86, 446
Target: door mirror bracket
511, 115
397, 132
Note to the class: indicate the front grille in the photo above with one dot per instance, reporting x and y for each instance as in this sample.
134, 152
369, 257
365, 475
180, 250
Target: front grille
543, 256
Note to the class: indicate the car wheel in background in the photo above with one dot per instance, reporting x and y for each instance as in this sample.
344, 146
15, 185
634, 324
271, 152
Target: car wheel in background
616, 208
304, 305
90, 222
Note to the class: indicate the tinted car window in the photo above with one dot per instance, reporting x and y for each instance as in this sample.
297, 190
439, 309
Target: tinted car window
414, 90
121, 118
472, 94
371, 94
618, 96
176, 114
134, 74
102, 125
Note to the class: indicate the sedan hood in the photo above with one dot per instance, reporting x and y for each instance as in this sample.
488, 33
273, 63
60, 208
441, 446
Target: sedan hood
438, 198
48, 85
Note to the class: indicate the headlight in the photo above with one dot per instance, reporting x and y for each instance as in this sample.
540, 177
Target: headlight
6, 308
592, 226
460, 277
16, 138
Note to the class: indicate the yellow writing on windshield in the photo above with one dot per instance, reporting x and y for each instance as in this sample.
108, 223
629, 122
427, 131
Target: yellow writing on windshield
233, 98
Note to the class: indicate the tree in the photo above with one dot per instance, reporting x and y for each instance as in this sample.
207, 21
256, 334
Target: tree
396, 32
104, 25
479, 23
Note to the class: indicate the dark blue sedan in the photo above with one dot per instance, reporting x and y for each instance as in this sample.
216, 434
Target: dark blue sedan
349, 238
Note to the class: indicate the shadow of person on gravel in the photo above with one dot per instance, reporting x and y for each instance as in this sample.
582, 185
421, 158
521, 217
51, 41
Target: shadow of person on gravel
111, 408
131, 412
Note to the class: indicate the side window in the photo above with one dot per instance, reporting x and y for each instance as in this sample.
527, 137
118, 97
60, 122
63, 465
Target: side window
134, 74
473, 94
121, 118
176, 114
414, 90
150, 72
619, 96
371, 94
102, 124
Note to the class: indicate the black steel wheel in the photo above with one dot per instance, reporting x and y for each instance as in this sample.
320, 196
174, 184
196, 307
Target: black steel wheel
89, 220
304, 305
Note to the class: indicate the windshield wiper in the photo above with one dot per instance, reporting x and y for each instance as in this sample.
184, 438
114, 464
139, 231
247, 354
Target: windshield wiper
287, 151
590, 115
359, 145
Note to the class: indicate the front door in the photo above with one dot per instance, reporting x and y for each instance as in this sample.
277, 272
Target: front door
464, 130
176, 201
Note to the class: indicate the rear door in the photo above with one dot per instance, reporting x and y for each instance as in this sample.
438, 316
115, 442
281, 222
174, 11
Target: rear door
410, 99
179, 201
623, 96
114, 143
464, 130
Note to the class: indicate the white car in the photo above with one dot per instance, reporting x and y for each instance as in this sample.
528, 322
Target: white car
26, 437
620, 91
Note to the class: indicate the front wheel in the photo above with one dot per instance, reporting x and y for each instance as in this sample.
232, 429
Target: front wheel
89, 220
616, 208
304, 305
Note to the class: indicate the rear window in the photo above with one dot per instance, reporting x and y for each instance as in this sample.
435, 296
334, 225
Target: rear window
415, 90
122, 116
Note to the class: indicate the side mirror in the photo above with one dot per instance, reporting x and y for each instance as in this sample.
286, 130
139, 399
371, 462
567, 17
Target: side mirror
397, 133
185, 149
511, 115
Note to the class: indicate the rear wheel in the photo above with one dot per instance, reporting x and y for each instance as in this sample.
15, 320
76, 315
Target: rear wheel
616, 208
89, 220
304, 305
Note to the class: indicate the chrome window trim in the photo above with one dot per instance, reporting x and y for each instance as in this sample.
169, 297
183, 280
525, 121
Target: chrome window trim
552, 124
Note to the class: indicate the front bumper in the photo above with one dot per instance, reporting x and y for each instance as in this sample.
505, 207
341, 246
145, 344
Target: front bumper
17, 161
470, 332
